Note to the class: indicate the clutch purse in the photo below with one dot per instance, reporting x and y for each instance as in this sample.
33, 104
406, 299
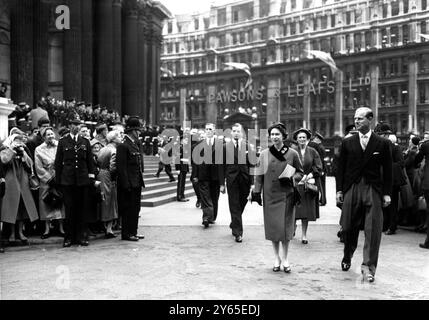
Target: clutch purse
53, 198
286, 176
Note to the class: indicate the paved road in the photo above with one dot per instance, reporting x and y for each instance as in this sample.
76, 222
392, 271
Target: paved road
180, 260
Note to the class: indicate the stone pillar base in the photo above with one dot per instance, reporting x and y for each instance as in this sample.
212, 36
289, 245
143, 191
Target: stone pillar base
6, 108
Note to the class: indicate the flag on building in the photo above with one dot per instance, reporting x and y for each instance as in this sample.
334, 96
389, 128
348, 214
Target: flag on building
326, 58
242, 66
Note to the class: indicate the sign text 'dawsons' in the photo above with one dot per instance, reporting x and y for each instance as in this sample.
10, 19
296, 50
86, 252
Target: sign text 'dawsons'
299, 90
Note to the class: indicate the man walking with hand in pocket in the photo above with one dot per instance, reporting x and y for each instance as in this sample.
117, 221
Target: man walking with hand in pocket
364, 186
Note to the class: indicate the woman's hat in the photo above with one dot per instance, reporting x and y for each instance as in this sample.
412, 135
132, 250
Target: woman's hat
306, 131
133, 123
44, 129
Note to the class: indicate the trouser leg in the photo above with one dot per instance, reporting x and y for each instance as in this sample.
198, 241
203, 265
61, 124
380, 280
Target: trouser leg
393, 219
214, 193
206, 201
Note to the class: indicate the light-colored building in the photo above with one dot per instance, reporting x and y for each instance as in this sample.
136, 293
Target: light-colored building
376, 44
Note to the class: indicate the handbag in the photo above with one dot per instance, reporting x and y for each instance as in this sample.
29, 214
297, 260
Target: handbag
33, 181
53, 198
311, 188
421, 203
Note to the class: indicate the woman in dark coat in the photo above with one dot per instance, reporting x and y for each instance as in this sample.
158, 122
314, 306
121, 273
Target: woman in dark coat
18, 204
308, 209
278, 197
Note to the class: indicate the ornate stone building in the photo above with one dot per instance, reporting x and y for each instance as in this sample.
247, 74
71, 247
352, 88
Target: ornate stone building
109, 56
377, 45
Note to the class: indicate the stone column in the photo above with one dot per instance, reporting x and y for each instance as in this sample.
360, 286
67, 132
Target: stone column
183, 112
328, 128
141, 63
6, 108
211, 111
412, 92
339, 103
374, 98
273, 100
72, 57
130, 61
306, 99
426, 122
22, 51
104, 52
87, 51
41, 45
117, 56
256, 9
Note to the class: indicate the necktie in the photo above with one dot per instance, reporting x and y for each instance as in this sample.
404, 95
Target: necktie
364, 142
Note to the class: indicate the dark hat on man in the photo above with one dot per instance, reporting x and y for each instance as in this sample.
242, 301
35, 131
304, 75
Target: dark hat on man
415, 141
76, 120
318, 135
349, 128
382, 128
133, 123
306, 131
63, 131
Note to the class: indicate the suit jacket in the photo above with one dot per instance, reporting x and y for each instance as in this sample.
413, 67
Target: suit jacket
74, 164
208, 170
424, 153
398, 165
374, 165
183, 166
129, 163
321, 151
236, 162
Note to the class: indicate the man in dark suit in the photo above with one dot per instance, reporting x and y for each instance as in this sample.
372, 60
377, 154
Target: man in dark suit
390, 213
183, 168
195, 140
74, 172
364, 186
209, 173
423, 153
130, 166
238, 179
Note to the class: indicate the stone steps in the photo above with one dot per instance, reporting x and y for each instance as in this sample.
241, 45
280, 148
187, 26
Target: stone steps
160, 191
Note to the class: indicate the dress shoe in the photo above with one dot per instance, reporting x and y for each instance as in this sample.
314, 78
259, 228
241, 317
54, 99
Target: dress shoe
183, 200
345, 265
198, 204
368, 276
238, 239
130, 238
424, 245
67, 244
139, 236
276, 269
110, 235
304, 241
172, 180
45, 236
390, 232
84, 243
206, 224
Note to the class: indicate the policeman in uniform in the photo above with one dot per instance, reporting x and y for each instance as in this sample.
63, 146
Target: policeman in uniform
129, 162
74, 172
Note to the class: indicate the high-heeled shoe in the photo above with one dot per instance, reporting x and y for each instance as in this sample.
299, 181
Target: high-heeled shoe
276, 269
287, 269
304, 241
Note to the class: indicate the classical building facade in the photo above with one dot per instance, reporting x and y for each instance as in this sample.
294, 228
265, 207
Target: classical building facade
376, 44
109, 56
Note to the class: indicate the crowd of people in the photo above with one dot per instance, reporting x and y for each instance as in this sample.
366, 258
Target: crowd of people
85, 183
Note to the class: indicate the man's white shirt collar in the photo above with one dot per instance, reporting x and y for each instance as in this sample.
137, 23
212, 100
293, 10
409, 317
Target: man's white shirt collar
368, 134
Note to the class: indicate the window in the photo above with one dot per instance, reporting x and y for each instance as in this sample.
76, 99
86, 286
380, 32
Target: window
307, 4
197, 44
196, 23
404, 64
169, 47
264, 33
222, 40
385, 10
358, 16
406, 6
368, 39
177, 47
242, 37
405, 34
394, 36
293, 4
196, 66
179, 28
424, 4
333, 16
235, 17
250, 35
395, 8
394, 67
264, 8
324, 22
348, 18
170, 27
302, 26
423, 30
221, 17
292, 28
